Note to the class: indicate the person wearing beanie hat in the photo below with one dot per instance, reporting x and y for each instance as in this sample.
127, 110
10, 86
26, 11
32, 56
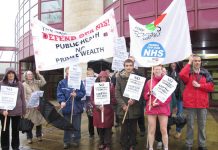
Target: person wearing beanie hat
10, 79
104, 128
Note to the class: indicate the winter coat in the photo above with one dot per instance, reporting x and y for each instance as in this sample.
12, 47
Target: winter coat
134, 110
196, 97
63, 94
108, 111
162, 108
29, 87
20, 108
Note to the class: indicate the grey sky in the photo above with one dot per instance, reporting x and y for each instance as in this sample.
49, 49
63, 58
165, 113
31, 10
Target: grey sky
8, 12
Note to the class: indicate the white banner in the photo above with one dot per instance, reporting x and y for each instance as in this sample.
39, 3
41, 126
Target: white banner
164, 88
120, 54
102, 93
134, 87
55, 49
163, 41
74, 77
89, 84
34, 99
8, 97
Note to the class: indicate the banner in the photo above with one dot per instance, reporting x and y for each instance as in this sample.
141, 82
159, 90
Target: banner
8, 97
164, 88
134, 87
102, 93
163, 41
55, 49
74, 77
120, 54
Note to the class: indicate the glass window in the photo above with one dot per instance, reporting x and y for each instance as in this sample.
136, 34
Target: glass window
21, 12
49, 6
21, 21
6, 55
26, 6
26, 17
4, 66
33, 2
26, 27
34, 11
51, 18
21, 31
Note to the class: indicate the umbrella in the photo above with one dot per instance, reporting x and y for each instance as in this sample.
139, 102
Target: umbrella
51, 115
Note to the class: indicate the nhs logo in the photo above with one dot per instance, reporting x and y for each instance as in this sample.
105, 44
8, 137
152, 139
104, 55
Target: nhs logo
153, 49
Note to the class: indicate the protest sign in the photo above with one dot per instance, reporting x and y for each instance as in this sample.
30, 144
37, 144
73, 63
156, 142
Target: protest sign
74, 77
89, 84
94, 42
34, 99
8, 97
163, 41
102, 93
120, 54
164, 88
134, 87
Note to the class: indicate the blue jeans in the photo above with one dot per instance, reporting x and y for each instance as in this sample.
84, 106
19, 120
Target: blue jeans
179, 104
75, 135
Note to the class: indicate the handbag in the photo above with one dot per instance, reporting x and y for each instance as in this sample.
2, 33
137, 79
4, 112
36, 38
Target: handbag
25, 125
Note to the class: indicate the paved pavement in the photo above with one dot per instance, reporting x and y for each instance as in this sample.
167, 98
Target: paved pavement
52, 138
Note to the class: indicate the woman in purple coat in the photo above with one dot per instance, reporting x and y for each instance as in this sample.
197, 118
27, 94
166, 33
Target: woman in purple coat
104, 128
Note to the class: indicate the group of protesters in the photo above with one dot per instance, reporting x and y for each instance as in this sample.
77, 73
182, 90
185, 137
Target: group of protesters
193, 85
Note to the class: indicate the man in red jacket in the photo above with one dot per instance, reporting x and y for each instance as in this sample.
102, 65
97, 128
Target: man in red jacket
198, 83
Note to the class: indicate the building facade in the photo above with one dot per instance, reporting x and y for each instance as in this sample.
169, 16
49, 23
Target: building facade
203, 23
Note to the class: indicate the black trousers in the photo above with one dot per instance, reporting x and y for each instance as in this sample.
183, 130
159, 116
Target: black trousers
90, 125
5, 135
105, 135
128, 134
38, 132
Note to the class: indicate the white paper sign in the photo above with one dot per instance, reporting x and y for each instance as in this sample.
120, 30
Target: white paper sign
164, 88
74, 77
89, 83
34, 99
134, 87
8, 97
102, 93
120, 54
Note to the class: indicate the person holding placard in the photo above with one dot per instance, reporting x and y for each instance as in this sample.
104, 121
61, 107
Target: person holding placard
156, 109
129, 127
103, 114
198, 84
10, 79
32, 85
70, 99
87, 103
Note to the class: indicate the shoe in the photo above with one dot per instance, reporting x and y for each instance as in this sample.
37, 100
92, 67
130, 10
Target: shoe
202, 148
39, 139
101, 147
177, 135
188, 148
107, 148
66, 145
142, 133
159, 145
29, 141
75, 144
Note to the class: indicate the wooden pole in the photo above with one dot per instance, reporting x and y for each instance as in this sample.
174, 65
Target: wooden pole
102, 114
125, 114
71, 118
5, 121
149, 103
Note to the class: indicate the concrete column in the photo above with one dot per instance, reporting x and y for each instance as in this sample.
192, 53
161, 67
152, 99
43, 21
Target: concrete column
80, 13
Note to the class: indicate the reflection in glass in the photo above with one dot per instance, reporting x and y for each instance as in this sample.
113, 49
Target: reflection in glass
51, 6
51, 18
